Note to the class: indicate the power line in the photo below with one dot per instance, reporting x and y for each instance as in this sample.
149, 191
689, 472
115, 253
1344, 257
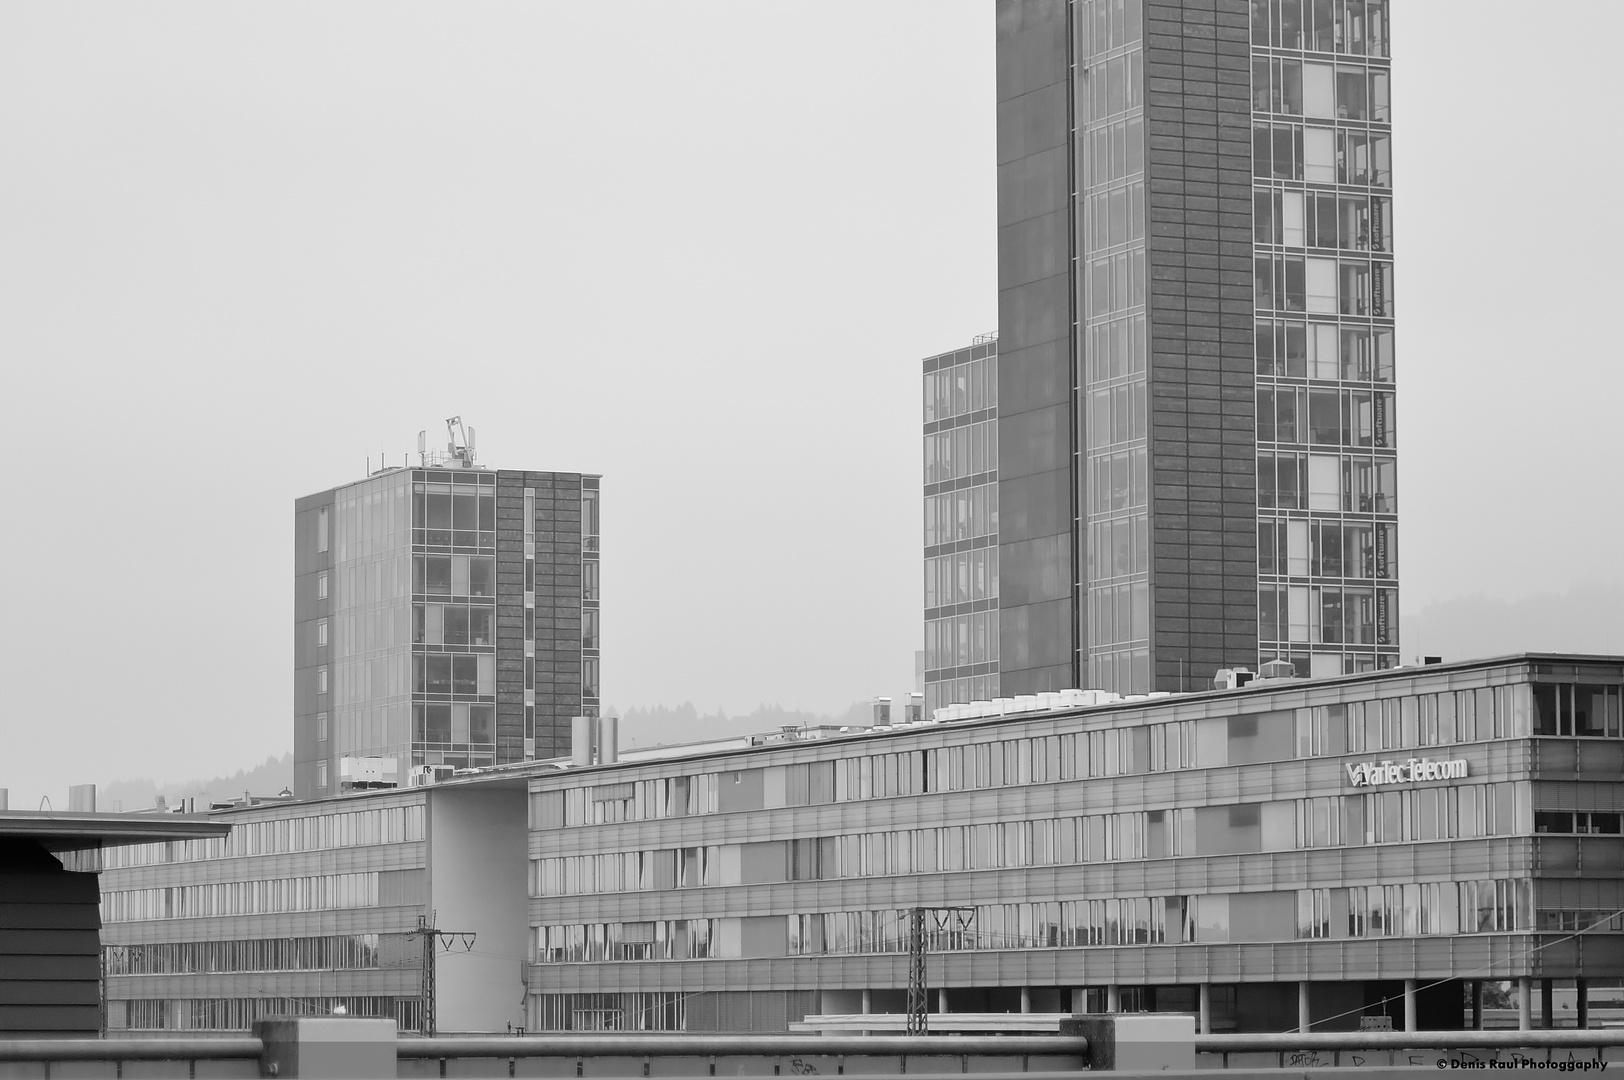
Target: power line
1475, 971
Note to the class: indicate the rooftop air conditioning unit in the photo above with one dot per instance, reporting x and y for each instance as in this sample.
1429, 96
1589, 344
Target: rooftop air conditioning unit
1277, 669
1231, 678
424, 775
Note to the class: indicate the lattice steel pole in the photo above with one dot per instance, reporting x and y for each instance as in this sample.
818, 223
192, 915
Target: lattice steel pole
431, 937
918, 999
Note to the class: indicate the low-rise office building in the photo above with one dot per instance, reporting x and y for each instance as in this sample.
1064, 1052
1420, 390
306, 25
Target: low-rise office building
310, 907
1297, 852
1294, 852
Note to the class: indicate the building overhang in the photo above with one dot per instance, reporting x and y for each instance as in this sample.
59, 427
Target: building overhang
82, 832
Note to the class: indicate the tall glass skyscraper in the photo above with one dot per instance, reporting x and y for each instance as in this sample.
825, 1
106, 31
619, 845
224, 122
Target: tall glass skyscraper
443, 615
1195, 419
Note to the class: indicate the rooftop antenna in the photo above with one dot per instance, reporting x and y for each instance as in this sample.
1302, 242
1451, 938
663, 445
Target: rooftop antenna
422, 448
461, 446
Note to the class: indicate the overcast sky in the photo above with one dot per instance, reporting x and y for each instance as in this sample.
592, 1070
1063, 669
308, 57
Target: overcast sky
696, 247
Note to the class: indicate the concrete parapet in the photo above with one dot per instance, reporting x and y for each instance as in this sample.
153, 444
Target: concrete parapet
326, 1046
1136, 1042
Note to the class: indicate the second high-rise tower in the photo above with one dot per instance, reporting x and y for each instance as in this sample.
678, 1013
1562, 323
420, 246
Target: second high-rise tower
1195, 365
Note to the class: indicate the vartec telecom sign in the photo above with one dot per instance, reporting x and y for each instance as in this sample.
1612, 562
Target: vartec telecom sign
1415, 770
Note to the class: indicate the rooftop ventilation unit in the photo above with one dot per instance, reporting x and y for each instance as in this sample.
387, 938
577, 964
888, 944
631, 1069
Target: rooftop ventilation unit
1232, 678
1277, 669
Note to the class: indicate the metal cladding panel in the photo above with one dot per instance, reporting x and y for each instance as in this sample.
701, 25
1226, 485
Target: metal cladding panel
558, 548
1202, 384
49, 966
509, 616
308, 564
1036, 350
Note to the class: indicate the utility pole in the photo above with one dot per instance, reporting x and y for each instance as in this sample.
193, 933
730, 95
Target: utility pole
431, 937
918, 993
101, 993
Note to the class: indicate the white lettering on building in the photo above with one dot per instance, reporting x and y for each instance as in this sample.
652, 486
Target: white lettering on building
1415, 770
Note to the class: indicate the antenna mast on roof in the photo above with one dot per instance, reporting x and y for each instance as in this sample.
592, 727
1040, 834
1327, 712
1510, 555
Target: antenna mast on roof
461, 446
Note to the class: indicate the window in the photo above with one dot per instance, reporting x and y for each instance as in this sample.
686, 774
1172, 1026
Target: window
589, 628
481, 576
321, 679
1320, 281
321, 774
589, 514
589, 580
465, 675
321, 585
321, 633
1319, 155
321, 529
321, 727
481, 724
482, 626
435, 576
1319, 90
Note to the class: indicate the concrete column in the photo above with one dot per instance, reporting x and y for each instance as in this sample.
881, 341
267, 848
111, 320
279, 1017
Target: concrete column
1477, 1004
1525, 1004
1547, 1020
941, 1000
1204, 1025
1409, 1005
1113, 998
868, 1005
1026, 999
1079, 999
1305, 1020
1581, 1003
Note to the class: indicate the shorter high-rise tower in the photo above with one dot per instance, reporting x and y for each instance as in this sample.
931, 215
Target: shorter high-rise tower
445, 614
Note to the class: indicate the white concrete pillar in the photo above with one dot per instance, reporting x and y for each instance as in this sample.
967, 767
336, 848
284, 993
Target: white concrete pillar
941, 1000
1113, 998
1079, 999
867, 1003
1305, 1019
1525, 1004
1205, 1022
1409, 1005
1026, 999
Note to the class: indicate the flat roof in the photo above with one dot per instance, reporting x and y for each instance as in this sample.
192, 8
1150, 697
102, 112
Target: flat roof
78, 831
517, 775
701, 751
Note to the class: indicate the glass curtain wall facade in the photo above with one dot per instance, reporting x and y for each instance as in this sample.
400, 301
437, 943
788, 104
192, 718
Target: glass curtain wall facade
443, 616
1196, 423
453, 618
961, 525
370, 636
1322, 224
1115, 412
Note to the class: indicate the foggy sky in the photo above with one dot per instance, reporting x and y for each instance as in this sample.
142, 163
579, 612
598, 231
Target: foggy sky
699, 248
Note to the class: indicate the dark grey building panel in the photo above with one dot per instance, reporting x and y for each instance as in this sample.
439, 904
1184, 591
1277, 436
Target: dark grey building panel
1036, 347
1202, 417
49, 947
312, 561
510, 616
